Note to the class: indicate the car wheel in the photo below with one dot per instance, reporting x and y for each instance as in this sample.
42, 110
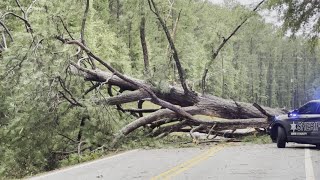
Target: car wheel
318, 146
281, 138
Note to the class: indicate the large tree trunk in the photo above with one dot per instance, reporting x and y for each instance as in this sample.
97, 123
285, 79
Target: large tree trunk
210, 105
236, 114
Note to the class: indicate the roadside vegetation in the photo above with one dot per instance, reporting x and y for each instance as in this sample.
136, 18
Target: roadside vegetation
264, 139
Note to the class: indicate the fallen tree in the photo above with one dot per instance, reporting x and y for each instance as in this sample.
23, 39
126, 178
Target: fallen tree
239, 114
178, 104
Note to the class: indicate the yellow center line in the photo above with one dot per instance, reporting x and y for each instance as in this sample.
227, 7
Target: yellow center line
188, 164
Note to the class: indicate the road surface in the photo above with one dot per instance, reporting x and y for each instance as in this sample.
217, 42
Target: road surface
225, 162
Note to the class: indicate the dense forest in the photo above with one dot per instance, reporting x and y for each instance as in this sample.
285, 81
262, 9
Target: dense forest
48, 112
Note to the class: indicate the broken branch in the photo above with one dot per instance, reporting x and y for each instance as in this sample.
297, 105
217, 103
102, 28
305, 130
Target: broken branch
222, 44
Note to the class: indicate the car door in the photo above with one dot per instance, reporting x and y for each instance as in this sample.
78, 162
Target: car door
305, 128
312, 125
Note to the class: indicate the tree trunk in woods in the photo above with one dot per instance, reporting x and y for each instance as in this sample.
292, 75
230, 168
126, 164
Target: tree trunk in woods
143, 40
270, 81
224, 94
295, 84
281, 82
118, 9
305, 98
261, 87
173, 36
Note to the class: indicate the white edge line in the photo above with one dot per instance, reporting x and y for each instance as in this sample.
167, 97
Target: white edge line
308, 165
79, 165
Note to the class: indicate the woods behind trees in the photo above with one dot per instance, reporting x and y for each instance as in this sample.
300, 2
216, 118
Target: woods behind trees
78, 76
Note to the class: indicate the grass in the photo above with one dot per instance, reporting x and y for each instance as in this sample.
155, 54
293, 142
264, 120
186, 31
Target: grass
145, 105
264, 139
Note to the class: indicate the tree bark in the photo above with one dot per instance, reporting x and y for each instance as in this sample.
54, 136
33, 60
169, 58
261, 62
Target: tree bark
212, 105
144, 44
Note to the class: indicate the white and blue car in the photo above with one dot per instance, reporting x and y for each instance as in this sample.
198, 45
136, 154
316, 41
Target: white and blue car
301, 126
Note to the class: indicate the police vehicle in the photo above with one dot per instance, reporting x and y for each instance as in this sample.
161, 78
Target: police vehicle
301, 126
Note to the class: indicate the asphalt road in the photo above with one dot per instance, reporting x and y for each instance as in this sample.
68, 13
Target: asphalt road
226, 162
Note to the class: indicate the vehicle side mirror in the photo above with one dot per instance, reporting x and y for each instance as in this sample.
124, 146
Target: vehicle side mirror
293, 113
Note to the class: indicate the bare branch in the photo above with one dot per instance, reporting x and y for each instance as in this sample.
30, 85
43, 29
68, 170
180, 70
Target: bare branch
4, 40
151, 7
26, 22
101, 76
84, 19
140, 105
170, 9
82, 123
169, 129
181, 73
125, 98
72, 101
163, 121
175, 27
210, 131
91, 89
173, 35
21, 9
30, 7
83, 26
67, 98
79, 61
216, 52
7, 30
141, 110
60, 134
195, 138
263, 111
65, 27
79, 147
143, 40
